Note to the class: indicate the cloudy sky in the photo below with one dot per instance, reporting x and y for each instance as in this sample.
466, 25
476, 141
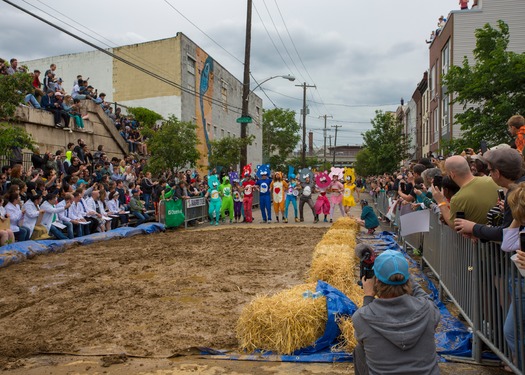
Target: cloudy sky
361, 55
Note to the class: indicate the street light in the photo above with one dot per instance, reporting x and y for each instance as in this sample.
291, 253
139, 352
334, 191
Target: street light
289, 77
245, 118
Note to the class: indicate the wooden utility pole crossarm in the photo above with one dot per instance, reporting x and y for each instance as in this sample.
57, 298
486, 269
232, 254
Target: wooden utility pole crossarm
303, 151
324, 133
335, 140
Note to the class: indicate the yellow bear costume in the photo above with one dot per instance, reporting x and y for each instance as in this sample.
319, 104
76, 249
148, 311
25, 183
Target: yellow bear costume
348, 196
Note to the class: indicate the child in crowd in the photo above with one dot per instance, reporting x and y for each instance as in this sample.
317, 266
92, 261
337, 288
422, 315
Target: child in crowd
368, 217
6, 234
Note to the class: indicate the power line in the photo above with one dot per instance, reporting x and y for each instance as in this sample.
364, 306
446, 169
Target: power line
271, 39
137, 58
282, 41
202, 31
334, 104
127, 62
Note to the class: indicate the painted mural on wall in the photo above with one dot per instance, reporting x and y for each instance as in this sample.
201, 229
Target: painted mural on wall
203, 108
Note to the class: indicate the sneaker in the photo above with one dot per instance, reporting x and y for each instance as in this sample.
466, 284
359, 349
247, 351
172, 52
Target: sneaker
58, 126
231, 221
263, 222
296, 220
277, 219
330, 220
316, 220
269, 221
285, 220
300, 220
325, 220
216, 223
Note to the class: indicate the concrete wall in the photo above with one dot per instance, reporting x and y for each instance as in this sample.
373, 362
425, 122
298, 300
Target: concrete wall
95, 65
99, 130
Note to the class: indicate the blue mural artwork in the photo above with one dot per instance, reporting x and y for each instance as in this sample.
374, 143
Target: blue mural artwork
203, 89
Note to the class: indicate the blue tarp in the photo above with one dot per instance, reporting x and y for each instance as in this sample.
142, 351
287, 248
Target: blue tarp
452, 336
20, 251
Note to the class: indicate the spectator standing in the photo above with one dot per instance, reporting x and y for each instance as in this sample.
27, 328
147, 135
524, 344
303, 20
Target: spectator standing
476, 196
506, 169
463, 4
49, 73
516, 128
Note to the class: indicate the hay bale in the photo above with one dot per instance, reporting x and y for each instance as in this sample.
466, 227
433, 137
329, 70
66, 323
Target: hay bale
346, 223
347, 340
334, 268
339, 237
321, 249
284, 322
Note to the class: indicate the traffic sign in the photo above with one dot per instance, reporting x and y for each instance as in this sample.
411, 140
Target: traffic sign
244, 120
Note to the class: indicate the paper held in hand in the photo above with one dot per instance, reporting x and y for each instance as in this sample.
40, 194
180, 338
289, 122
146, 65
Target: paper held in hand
59, 225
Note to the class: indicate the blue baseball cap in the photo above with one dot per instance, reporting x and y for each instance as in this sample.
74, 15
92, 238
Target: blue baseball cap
390, 263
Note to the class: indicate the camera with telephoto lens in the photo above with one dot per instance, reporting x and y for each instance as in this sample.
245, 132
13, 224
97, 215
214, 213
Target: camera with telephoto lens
367, 258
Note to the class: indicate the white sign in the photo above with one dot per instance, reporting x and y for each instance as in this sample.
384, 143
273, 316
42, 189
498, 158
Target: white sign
195, 202
415, 222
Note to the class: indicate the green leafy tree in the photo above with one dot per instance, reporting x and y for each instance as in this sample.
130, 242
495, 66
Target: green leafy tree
490, 90
227, 151
14, 136
387, 145
173, 146
363, 162
280, 135
13, 89
147, 119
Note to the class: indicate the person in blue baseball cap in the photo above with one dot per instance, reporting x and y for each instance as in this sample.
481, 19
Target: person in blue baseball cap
395, 331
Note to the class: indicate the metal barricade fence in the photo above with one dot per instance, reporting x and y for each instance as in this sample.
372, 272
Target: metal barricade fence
484, 285
195, 209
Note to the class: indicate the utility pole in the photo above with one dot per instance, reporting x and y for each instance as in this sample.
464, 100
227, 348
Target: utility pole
324, 133
246, 84
335, 140
303, 151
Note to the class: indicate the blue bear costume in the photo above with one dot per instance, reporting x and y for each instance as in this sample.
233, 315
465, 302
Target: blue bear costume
265, 200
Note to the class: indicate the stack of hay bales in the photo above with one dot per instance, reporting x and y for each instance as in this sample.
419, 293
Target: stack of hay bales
284, 322
288, 321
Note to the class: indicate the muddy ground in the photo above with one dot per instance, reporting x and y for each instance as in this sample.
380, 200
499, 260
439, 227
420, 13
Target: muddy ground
125, 306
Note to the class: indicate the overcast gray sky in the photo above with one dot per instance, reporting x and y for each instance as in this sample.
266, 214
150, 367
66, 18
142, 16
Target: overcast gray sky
361, 55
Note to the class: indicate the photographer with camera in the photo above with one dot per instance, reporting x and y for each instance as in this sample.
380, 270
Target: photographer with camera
395, 331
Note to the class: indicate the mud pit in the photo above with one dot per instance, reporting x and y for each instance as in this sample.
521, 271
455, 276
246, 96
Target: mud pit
151, 296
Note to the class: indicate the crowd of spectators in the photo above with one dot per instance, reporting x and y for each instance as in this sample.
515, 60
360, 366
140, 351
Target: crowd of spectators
67, 109
76, 192
477, 194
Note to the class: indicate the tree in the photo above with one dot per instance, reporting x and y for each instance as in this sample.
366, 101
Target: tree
227, 151
491, 90
280, 135
362, 164
12, 93
12, 137
13, 89
147, 119
173, 146
386, 143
